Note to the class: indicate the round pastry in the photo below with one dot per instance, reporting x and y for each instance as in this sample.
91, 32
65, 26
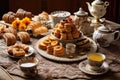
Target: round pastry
10, 30
50, 49
24, 37
51, 38
9, 38
54, 43
58, 51
47, 42
18, 52
42, 46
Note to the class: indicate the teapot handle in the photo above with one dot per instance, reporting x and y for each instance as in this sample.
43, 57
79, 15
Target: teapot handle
116, 35
106, 3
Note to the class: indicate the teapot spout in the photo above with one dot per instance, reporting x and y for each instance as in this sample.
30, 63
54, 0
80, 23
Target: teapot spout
89, 6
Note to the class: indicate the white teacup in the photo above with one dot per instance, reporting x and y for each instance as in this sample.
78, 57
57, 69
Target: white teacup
95, 60
28, 65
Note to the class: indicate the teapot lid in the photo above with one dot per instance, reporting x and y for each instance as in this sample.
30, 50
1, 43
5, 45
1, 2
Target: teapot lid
81, 12
97, 2
104, 28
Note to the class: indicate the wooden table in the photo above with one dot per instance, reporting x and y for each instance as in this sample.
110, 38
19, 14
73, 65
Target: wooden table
55, 70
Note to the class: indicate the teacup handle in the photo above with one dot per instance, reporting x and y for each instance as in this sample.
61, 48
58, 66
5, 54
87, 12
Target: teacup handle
116, 35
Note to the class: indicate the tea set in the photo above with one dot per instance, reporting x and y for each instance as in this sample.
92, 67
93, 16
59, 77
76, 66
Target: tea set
103, 35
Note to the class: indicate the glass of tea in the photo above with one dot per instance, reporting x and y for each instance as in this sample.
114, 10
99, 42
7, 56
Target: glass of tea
95, 60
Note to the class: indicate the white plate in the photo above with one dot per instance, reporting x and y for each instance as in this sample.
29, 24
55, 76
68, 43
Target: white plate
30, 52
84, 67
64, 59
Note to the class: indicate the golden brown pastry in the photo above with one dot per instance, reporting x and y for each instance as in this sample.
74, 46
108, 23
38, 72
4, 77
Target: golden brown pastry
58, 51
18, 52
9, 17
21, 13
44, 16
24, 37
50, 49
18, 49
9, 38
40, 31
68, 27
63, 36
42, 46
47, 42
54, 43
10, 30
51, 38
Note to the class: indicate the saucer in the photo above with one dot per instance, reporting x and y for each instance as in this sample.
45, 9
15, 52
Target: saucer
86, 68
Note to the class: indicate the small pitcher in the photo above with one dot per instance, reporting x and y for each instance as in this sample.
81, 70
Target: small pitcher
103, 35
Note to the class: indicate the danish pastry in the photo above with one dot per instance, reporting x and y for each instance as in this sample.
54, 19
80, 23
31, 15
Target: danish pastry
9, 38
54, 43
24, 37
18, 52
47, 42
58, 51
42, 46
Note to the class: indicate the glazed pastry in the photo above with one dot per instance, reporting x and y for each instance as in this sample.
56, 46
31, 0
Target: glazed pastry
24, 37
42, 46
10, 30
18, 49
50, 49
58, 51
21, 13
54, 43
18, 52
9, 17
9, 38
47, 42
44, 16
51, 38
68, 27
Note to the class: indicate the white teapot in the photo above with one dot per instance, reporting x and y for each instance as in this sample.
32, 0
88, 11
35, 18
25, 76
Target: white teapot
103, 35
97, 9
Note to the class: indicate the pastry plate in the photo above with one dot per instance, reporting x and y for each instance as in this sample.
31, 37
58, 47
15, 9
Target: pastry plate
64, 59
30, 52
84, 67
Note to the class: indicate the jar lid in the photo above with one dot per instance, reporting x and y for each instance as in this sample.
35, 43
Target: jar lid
97, 2
81, 12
